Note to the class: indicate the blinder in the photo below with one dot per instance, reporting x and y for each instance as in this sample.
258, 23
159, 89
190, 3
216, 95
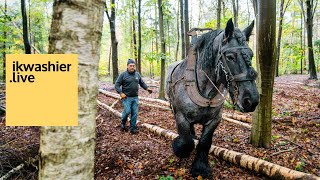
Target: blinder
249, 75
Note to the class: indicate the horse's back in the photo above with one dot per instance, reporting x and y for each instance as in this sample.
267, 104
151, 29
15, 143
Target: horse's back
169, 73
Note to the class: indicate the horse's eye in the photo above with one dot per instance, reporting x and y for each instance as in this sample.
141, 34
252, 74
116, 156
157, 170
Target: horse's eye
231, 57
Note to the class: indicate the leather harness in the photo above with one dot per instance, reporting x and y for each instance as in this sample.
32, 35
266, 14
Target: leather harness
191, 82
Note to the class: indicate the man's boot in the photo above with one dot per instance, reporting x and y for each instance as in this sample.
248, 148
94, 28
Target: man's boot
123, 127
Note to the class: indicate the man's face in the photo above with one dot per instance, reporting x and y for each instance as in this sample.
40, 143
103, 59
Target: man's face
131, 67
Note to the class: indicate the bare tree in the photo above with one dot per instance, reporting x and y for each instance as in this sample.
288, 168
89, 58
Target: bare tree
4, 40
139, 37
134, 34
114, 41
183, 44
163, 51
235, 7
68, 152
219, 14
178, 33
283, 8
266, 57
308, 16
27, 47
186, 24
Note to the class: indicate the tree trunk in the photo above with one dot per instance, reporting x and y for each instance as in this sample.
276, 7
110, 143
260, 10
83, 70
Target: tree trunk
27, 47
4, 41
186, 24
309, 23
68, 152
183, 44
134, 34
156, 27
178, 34
29, 25
235, 5
219, 14
109, 62
301, 44
279, 37
163, 51
266, 57
254, 4
114, 42
139, 36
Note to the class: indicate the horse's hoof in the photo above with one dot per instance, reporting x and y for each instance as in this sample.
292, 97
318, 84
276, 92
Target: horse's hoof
182, 148
201, 169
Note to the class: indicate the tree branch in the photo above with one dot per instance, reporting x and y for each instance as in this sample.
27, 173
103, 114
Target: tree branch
287, 5
302, 9
107, 13
314, 9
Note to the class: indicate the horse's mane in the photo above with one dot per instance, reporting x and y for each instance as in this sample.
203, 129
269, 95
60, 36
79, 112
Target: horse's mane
205, 46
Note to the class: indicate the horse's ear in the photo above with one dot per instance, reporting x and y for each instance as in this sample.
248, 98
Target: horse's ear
229, 29
248, 30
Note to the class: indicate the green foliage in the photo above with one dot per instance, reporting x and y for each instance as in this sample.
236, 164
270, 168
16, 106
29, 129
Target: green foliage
275, 137
300, 165
166, 178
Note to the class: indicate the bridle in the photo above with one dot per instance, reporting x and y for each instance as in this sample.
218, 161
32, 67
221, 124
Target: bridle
221, 62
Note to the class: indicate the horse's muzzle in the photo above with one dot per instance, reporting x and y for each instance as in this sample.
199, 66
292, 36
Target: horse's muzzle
248, 102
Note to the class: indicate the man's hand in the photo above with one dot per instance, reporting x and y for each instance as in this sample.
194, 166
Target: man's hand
149, 90
123, 96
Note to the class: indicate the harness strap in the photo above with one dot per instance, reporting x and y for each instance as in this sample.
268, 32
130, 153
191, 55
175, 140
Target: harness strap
191, 84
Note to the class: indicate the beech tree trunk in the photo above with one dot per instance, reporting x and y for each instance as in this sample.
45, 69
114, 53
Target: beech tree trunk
183, 44
219, 14
27, 47
4, 41
139, 38
114, 41
235, 7
178, 34
266, 57
186, 24
68, 152
163, 52
134, 34
309, 24
283, 8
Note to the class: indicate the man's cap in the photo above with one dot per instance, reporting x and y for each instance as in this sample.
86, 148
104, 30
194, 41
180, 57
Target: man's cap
131, 61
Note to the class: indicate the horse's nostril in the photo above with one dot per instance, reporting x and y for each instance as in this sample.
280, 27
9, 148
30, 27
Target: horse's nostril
247, 102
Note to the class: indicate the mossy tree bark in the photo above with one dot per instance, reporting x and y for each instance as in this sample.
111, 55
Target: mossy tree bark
266, 57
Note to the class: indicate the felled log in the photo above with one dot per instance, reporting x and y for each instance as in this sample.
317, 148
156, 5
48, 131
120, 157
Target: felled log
235, 121
238, 117
261, 166
114, 95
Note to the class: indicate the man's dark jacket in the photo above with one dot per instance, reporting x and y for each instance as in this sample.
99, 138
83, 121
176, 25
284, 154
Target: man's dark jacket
128, 83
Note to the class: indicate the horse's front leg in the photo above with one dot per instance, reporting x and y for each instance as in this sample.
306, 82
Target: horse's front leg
183, 145
200, 165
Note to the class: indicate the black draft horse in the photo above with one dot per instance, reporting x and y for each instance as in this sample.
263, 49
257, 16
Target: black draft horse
219, 61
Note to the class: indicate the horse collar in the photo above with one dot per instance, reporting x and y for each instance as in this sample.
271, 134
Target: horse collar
192, 88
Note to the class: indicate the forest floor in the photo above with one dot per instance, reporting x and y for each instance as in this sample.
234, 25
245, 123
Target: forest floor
120, 155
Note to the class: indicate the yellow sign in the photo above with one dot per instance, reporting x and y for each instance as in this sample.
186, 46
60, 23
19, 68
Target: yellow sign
41, 90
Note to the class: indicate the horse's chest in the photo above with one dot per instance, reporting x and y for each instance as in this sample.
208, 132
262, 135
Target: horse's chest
202, 115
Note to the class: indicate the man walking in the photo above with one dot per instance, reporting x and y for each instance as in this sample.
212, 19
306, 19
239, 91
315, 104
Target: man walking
127, 85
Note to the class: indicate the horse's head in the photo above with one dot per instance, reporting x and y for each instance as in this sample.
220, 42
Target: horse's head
233, 64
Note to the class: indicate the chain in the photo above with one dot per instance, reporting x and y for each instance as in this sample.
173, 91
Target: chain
220, 64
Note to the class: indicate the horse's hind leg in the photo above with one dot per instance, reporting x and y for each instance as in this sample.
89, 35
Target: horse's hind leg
183, 145
200, 165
